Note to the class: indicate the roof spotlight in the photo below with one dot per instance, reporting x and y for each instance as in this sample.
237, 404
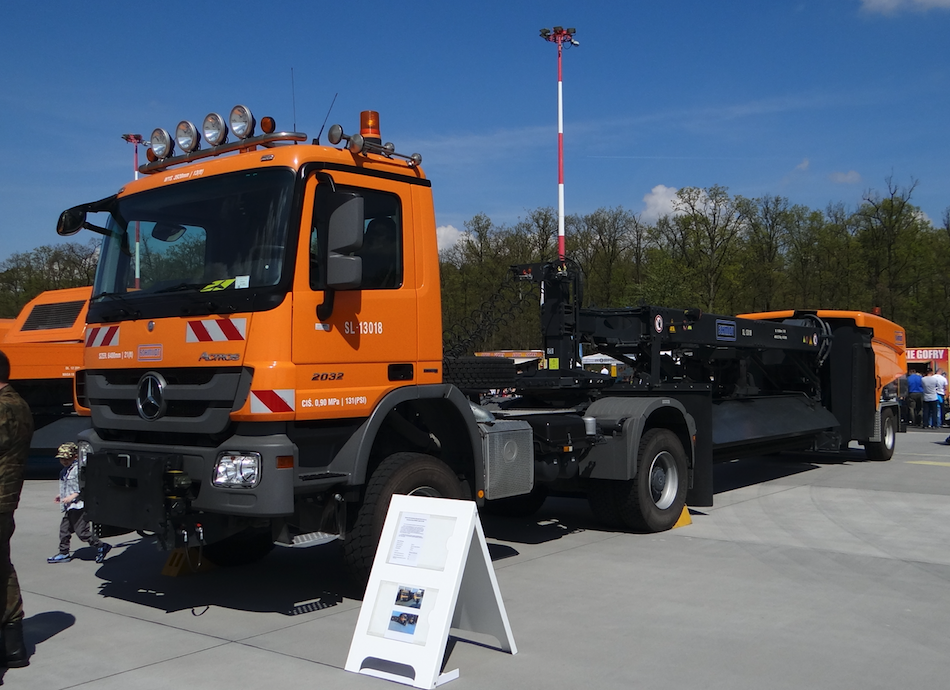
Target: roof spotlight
215, 129
242, 122
162, 144
187, 136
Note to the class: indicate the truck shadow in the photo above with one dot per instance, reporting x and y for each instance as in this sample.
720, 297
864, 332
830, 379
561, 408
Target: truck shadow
288, 581
738, 474
298, 581
570, 514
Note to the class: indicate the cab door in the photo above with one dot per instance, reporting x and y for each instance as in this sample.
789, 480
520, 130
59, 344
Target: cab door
368, 344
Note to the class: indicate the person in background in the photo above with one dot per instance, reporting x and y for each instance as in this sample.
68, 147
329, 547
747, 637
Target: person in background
941, 396
915, 397
16, 431
929, 383
74, 517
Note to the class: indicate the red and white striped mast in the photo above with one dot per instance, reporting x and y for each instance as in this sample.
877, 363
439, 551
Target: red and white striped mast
560, 36
136, 139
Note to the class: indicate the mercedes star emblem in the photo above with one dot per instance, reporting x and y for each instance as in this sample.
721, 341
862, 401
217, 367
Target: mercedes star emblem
150, 399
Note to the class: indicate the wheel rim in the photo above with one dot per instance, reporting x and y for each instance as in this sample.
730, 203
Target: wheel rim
664, 480
889, 434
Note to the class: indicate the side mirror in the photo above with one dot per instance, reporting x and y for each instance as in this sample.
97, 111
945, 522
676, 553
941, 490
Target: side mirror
344, 272
345, 235
345, 229
70, 222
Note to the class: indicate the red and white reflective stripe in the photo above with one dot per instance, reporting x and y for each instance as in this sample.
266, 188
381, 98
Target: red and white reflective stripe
102, 336
215, 330
272, 401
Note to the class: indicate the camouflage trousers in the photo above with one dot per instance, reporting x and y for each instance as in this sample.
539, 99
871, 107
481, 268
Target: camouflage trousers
12, 604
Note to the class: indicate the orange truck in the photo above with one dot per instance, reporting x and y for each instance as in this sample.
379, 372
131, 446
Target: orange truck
45, 347
263, 362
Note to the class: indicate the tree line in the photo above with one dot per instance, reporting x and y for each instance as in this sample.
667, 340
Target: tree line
24, 275
719, 252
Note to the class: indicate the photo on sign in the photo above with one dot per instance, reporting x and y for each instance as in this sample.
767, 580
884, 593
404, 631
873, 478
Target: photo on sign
403, 622
410, 597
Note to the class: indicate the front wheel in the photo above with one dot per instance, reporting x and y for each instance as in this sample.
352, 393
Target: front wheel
883, 449
414, 474
654, 499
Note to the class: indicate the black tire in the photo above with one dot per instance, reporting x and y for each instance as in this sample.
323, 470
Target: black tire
524, 505
247, 546
602, 498
884, 449
400, 473
479, 373
654, 500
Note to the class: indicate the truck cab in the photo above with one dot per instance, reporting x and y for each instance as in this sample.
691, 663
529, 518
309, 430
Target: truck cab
264, 331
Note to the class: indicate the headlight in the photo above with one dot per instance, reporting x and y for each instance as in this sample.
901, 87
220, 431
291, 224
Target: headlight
215, 130
85, 450
242, 122
162, 144
236, 470
186, 134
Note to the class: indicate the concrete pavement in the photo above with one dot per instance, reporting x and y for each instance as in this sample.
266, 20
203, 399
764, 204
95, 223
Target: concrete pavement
810, 571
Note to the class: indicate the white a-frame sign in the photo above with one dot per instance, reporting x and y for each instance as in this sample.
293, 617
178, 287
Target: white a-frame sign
432, 572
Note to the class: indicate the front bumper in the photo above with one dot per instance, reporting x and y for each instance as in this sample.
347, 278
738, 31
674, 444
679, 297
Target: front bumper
140, 487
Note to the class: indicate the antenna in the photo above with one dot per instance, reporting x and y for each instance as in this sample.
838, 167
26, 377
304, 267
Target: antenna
293, 96
317, 140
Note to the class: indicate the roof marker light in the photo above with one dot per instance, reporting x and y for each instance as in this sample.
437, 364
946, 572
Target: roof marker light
368, 141
242, 122
215, 129
268, 125
186, 134
369, 126
162, 144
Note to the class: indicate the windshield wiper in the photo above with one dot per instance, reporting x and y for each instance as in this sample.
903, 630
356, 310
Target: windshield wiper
126, 308
180, 287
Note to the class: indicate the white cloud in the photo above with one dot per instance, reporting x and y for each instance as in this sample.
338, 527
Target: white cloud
850, 177
659, 202
803, 165
892, 6
447, 236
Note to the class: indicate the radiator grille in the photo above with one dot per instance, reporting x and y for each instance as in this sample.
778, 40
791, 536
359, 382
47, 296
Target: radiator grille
46, 316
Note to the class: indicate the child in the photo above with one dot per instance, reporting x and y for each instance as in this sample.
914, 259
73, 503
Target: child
74, 517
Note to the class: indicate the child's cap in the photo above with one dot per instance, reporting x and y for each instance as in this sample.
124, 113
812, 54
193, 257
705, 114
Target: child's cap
67, 451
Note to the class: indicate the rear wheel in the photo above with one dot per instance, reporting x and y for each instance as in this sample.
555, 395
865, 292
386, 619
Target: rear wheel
654, 500
414, 474
884, 449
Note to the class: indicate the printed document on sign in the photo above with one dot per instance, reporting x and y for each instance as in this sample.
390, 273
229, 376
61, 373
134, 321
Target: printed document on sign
410, 538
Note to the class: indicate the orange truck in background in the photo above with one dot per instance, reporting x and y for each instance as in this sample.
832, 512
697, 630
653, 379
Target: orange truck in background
45, 347
263, 362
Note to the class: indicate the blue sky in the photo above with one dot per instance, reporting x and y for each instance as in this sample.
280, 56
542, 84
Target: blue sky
818, 101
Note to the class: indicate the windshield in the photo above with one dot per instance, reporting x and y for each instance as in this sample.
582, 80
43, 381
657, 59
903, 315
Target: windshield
222, 233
